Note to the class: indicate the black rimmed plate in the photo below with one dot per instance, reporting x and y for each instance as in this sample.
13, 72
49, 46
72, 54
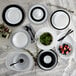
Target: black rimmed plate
38, 14
60, 19
13, 15
47, 60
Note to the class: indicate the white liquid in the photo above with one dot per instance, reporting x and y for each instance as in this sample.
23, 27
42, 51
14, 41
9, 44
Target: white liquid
60, 20
47, 59
13, 15
20, 39
37, 14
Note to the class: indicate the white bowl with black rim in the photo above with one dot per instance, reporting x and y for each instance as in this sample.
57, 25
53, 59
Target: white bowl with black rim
13, 15
38, 14
14, 56
60, 19
53, 36
20, 38
47, 60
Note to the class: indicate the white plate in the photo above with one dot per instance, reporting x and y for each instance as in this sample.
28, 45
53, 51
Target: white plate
12, 57
40, 32
60, 19
13, 15
20, 38
38, 14
68, 40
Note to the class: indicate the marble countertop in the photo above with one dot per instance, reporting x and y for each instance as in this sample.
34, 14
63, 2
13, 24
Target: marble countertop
64, 67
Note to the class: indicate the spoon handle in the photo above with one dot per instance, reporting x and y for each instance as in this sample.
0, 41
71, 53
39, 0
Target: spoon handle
14, 63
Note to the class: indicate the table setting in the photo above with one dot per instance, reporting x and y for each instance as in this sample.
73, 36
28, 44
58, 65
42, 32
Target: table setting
37, 41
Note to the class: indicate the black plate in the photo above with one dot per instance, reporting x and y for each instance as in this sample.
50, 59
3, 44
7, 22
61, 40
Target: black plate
41, 62
4, 12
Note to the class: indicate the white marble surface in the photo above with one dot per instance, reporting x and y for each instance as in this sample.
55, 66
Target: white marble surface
61, 69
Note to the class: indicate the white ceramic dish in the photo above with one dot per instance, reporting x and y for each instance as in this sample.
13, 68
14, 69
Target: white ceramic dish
40, 32
38, 14
13, 57
13, 15
67, 40
20, 38
60, 19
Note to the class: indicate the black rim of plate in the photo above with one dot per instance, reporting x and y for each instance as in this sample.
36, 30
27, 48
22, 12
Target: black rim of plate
65, 13
4, 12
47, 52
32, 13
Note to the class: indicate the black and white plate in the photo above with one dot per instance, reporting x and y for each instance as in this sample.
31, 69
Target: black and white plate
38, 14
60, 19
47, 60
13, 15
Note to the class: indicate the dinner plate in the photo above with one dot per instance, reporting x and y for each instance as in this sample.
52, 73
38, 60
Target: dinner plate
38, 14
47, 60
13, 15
40, 32
60, 19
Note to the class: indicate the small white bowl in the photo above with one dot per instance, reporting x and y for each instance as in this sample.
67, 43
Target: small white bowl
13, 57
40, 32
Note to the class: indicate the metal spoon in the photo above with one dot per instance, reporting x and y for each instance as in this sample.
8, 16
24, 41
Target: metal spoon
19, 61
69, 32
31, 32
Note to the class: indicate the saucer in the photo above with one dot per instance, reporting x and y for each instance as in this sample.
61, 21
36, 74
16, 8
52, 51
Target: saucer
47, 60
13, 15
60, 19
38, 14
